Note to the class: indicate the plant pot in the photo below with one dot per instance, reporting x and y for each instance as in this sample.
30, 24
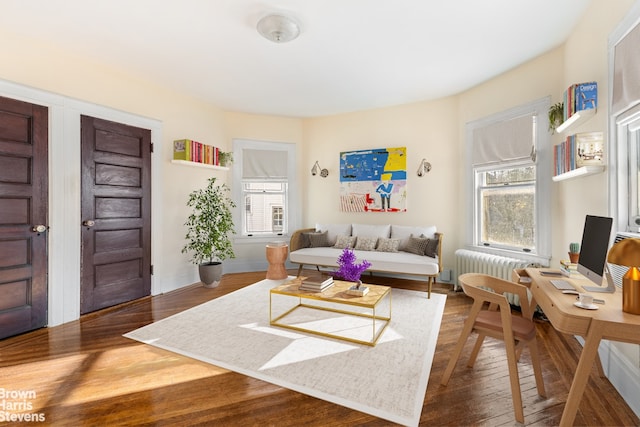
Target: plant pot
574, 257
210, 274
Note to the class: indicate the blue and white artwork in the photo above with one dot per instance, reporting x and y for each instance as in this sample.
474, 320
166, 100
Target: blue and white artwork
373, 180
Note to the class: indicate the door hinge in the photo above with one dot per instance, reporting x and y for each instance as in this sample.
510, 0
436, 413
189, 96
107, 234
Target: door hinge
151, 268
152, 147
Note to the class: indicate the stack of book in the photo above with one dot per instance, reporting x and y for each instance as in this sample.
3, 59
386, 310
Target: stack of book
316, 283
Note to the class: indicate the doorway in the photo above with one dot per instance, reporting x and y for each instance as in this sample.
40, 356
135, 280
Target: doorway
23, 216
116, 213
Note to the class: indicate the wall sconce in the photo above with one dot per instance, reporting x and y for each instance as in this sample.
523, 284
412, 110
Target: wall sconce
316, 168
424, 167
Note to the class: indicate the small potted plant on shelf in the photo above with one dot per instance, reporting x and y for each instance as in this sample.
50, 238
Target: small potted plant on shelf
556, 116
208, 229
574, 252
226, 158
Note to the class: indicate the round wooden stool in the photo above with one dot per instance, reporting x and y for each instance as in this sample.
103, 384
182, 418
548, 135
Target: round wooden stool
276, 256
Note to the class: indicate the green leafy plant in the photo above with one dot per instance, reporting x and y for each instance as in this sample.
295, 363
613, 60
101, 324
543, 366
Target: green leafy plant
556, 116
226, 158
209, 224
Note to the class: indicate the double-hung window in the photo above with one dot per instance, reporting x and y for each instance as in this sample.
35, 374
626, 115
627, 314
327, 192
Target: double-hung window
624, 141
508, 183
265, 173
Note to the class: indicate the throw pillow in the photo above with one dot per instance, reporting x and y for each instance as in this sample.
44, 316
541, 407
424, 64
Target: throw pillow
388, 245
366, 243
432, 248
317, 240
343, 242
417, 245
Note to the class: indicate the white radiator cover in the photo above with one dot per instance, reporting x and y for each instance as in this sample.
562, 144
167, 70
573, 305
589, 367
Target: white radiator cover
468, 261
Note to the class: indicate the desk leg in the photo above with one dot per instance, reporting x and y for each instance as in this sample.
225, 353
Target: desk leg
581, 376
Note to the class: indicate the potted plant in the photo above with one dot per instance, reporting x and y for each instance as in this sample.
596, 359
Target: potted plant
556, 116
574, 252
226, 158
208, 229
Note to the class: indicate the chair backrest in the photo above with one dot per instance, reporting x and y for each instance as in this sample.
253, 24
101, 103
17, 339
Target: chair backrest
484, 288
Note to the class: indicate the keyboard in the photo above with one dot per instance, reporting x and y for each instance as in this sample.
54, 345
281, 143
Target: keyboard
562, 284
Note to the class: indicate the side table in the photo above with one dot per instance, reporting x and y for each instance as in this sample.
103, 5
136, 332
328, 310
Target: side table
276, 256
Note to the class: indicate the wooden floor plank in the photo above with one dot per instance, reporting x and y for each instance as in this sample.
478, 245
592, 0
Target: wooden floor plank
86, 373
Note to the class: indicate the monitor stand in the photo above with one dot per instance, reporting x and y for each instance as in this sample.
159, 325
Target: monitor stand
610, 288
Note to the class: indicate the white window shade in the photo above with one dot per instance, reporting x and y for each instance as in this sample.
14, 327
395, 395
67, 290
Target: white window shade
626, 72
506, 141
264, 164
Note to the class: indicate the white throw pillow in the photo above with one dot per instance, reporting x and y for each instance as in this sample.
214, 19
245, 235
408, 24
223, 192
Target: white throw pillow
334, 230
403, 232
371, 230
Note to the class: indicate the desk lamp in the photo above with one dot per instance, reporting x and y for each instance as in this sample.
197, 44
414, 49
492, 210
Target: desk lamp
627, 253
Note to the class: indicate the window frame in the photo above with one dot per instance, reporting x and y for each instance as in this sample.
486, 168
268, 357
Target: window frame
542, 142
292, 191
620, 124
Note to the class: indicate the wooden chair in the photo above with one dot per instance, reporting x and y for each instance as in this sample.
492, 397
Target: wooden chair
499, 322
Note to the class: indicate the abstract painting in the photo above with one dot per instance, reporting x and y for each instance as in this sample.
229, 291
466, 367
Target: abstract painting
373, 180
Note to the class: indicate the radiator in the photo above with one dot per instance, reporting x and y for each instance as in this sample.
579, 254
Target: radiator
468, 261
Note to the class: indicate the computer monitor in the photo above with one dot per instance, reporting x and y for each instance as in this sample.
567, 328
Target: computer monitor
593, 253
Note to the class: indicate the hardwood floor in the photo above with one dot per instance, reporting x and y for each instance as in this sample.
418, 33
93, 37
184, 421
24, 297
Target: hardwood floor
86, 373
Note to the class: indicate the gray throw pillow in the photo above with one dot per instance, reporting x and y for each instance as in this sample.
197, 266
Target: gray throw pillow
343, 242
366, 243
318, 240
417, 245
432, 248
387, 245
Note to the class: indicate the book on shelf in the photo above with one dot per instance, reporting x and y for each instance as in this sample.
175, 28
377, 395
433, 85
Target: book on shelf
578, 150
580, 97
194, 151
182, 149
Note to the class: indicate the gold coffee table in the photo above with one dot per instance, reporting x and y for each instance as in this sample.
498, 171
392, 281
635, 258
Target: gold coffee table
336, 300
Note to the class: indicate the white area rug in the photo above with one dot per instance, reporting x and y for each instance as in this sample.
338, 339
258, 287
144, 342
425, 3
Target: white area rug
388, 381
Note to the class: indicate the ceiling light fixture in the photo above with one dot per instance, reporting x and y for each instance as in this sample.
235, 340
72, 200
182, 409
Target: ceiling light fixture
278, 28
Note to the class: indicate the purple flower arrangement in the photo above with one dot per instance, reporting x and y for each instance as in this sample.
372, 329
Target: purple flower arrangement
349, 270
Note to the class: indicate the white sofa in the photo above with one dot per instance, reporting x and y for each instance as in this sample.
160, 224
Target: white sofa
389, 248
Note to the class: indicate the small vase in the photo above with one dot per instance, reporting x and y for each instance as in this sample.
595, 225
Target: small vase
574, 257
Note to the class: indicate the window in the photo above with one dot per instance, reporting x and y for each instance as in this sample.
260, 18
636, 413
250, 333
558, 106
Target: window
624, 138
264, 207
509, 176
507, 207
265, 173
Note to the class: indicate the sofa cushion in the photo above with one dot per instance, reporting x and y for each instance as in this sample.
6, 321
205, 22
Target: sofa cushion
317, 240
334, 230
417, 245
371, 230
344, 241
388, 245
366, 243
432, 248
403, 233
393, 262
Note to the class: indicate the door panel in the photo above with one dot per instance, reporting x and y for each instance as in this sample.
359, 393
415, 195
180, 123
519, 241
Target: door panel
116, 213
23, 205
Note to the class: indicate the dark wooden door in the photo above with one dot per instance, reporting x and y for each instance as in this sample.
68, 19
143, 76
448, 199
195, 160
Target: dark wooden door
116, 213
23, 207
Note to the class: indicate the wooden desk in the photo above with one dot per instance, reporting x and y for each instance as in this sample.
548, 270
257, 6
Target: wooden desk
608, 322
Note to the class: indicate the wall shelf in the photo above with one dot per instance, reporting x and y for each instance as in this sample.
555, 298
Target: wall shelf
199, 165
577, 118
581, 171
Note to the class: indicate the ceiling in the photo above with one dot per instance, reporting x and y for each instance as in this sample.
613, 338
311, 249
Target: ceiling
351, 55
